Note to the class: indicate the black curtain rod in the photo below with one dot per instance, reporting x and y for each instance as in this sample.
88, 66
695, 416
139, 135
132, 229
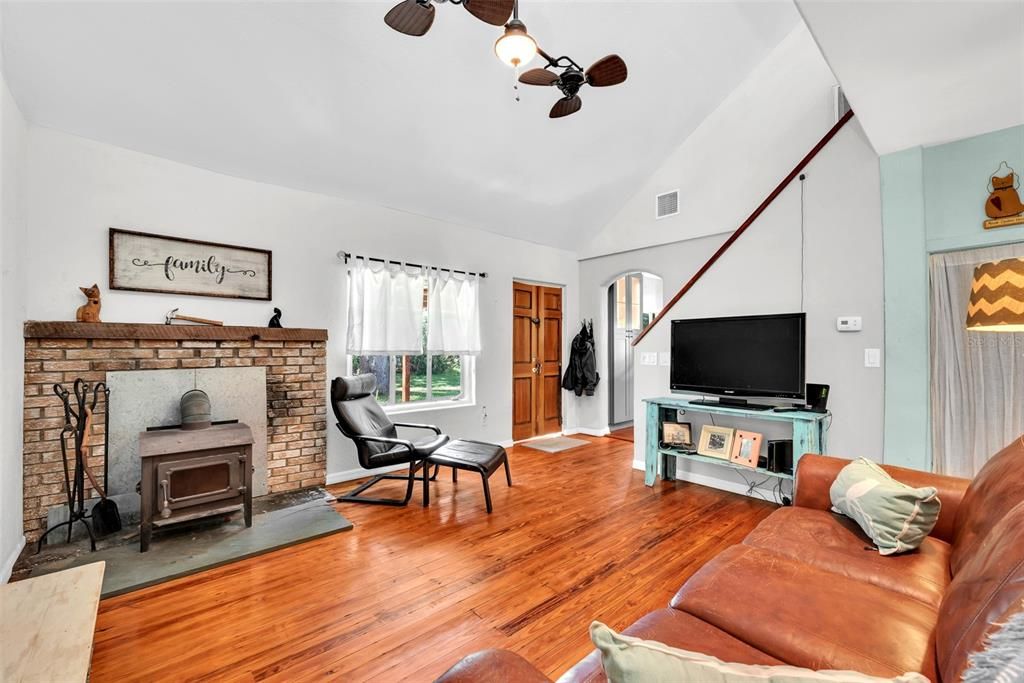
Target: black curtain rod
345, 256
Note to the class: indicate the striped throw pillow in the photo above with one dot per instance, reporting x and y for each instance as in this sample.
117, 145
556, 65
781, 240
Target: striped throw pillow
896, 517
626, 659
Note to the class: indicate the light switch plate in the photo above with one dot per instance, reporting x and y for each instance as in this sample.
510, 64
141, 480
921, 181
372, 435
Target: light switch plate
649, 358
664, 358
848, 323
872, 358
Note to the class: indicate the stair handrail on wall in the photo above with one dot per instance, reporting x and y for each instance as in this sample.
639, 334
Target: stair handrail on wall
747, 223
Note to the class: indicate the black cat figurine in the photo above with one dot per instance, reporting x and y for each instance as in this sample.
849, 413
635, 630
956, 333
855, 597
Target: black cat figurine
275, 321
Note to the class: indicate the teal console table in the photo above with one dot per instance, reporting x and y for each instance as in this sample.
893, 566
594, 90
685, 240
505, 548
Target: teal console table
809, 436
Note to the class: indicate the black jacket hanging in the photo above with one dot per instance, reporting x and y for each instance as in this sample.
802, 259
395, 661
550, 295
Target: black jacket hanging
581, 373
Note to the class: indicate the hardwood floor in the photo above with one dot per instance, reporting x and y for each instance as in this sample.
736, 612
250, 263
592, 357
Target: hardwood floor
624, 434
410, 590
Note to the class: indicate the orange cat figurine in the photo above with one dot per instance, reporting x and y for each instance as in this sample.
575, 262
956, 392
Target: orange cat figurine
1004, 200
90, 311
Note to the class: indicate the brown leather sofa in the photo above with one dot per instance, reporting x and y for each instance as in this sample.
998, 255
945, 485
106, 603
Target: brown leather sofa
805, 588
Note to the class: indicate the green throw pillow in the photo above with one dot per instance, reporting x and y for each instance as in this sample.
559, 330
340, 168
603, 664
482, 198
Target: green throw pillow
632, 660
895, 516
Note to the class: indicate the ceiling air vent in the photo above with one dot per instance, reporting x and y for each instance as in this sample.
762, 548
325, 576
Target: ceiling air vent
667, 204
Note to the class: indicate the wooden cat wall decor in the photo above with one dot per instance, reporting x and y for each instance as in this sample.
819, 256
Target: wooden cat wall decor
1003, 205
89, 312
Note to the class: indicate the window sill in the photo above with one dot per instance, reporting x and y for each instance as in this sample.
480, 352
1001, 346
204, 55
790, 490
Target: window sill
428, 406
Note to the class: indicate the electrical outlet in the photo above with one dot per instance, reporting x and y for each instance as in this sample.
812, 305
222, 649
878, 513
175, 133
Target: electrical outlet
483, 415
649, 358
872, 358
664, 358
848, 323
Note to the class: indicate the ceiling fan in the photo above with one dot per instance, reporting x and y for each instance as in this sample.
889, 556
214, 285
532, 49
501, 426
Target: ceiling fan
415, 17
516, 47
610, 70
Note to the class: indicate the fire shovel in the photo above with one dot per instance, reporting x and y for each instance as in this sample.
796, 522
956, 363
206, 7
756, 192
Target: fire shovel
106, 519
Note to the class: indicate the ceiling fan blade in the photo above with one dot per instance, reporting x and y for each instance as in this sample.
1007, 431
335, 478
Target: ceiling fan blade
411, 17
610, 70
495, 12
566, 106
538, 77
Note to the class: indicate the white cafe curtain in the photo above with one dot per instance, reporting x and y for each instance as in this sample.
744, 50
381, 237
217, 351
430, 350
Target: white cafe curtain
385, 309
977, 378
453, 313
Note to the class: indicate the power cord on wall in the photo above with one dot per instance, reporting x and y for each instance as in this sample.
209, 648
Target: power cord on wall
803, 177
754, 488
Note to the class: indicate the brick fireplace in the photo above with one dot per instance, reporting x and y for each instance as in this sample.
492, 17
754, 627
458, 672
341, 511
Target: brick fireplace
295, 362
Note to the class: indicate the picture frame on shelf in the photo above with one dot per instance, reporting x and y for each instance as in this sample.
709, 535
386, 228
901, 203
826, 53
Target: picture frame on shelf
746, 448
677, 435
716, 442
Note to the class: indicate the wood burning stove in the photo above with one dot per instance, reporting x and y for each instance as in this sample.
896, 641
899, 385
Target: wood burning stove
191, 474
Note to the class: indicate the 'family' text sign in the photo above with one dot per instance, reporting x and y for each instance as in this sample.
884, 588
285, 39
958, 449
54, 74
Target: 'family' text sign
142, 262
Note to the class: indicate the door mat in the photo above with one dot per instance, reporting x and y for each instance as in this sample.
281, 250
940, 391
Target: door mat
278, 521
555, 445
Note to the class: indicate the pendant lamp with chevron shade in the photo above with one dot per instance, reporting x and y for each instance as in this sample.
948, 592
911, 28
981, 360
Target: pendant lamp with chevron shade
997, 297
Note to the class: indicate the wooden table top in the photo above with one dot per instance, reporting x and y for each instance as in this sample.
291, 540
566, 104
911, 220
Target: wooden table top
47, 624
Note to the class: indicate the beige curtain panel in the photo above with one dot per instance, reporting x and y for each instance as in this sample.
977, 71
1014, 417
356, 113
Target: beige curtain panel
977, 377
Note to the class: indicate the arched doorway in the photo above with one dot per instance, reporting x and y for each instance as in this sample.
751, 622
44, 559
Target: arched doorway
634, 299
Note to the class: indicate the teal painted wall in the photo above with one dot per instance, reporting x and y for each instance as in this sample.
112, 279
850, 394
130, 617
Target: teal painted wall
905, 267
933, 200
955, 180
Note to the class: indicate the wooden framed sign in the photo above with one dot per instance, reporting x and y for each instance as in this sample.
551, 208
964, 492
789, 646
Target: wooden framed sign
142, 262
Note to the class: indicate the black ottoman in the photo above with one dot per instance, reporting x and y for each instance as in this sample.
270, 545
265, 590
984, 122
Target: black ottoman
475, 456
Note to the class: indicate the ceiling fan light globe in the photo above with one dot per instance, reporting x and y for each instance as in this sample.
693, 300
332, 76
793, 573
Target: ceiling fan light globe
515, 47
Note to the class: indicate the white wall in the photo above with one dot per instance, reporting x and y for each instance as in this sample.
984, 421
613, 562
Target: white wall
843, 276
736, 156
673, 263
77, 188
12, 312
724, 170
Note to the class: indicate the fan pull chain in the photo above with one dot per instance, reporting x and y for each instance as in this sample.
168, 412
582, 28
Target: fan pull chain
515, 81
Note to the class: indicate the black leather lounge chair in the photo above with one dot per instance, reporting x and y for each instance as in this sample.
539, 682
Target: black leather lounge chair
361, 419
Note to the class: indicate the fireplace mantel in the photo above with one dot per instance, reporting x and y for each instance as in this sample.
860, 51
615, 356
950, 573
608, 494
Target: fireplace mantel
59, 329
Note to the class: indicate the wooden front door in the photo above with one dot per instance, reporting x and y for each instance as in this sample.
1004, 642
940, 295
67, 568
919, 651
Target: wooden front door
536, 360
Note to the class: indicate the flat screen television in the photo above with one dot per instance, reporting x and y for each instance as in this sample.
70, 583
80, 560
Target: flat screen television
753, 355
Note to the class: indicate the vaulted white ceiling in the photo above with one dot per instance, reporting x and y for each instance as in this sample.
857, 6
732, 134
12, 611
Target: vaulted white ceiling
924, 72
323, 96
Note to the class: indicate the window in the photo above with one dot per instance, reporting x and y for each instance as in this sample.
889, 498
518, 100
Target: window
416, 379
424, 378
417, 332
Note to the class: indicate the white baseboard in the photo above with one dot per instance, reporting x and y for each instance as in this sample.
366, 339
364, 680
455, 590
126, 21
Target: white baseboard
8, 566
589, 431
720, 483
360, 473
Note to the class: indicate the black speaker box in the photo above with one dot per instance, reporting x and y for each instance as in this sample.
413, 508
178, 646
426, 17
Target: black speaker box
817, 397
780, 456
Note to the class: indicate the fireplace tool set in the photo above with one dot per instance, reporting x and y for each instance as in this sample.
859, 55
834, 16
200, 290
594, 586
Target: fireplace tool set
104, 515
